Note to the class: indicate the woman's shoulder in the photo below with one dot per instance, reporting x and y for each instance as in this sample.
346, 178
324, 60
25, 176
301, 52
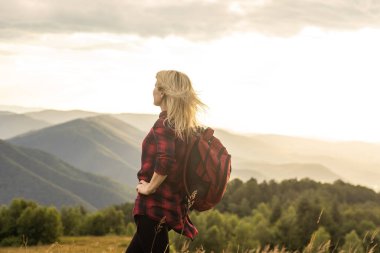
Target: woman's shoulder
162, 122
159, 123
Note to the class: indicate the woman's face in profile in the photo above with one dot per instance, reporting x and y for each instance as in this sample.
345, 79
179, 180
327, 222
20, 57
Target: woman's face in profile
157, 96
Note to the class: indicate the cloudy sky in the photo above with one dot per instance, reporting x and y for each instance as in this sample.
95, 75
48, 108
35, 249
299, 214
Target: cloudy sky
294, 67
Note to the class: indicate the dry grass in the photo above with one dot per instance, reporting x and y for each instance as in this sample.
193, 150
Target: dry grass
108, 244
85, 244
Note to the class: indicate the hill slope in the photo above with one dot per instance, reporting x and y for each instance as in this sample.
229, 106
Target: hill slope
14, 124
279, 172
355, 162
102, 145
142, 122
58, 117
34, 174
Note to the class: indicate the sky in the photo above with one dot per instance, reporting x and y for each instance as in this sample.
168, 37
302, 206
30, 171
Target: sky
293, 67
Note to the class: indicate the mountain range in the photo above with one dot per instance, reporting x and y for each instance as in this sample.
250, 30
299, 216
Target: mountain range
108, 147
19, 109
354, 162
101, 144
37, 175
12, 124
57, 117
34, 120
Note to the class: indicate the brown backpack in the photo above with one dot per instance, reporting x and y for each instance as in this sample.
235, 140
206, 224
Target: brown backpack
207, 170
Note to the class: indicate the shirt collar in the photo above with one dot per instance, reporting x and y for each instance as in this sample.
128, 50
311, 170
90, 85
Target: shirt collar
163, 114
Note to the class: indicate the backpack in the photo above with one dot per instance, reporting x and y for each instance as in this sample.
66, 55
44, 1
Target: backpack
207, 169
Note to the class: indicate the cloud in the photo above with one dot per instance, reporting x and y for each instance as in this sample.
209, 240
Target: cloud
287, 17
195, 19
6, 53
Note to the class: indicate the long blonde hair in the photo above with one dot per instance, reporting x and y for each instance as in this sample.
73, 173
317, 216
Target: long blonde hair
181, 101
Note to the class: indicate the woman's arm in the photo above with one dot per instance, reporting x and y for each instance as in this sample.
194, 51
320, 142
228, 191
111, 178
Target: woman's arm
146, 188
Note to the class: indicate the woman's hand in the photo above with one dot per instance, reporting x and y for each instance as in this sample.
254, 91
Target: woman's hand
144, 188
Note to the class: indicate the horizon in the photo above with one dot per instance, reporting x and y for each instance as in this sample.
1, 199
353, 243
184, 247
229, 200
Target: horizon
22, 110
261, 66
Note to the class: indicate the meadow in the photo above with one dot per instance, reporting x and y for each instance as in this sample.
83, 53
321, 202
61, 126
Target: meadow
76, 244
118, 244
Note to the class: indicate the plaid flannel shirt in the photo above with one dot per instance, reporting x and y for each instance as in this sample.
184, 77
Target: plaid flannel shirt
163, 153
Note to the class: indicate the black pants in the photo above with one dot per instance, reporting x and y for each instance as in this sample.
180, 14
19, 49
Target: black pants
147, 238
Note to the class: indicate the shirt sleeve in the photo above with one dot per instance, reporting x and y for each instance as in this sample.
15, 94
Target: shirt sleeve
165, 155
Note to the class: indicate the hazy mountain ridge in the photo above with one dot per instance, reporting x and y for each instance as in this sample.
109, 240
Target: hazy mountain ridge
12, 124
101, 144
58, 117
356, 162
5, 113
279, 172
368, 152
255, 157
141, 121
18, 109
359, 162
37, 175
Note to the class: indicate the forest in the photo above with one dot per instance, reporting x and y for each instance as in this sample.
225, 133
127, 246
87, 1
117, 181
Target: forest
284, 215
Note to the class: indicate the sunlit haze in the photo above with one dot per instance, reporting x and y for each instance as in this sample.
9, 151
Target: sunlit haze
298, 77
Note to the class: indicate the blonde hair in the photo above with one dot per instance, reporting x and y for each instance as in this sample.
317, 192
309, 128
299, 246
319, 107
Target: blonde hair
181, 101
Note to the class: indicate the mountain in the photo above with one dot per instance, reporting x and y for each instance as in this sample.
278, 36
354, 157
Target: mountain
5, 113
37, 175
359, 162
140, 121
355, 162
57, 117
12, 124
102, 145
279, 172
244, 148
144, 122
18, 109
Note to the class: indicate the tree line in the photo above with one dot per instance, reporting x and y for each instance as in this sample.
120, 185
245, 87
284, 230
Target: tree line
26, 222
289, 214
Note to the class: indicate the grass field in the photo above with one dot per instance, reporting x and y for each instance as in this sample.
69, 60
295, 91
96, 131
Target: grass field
85, 244
112, 243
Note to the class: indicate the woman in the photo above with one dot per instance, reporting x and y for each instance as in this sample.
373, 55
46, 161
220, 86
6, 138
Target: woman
161, 204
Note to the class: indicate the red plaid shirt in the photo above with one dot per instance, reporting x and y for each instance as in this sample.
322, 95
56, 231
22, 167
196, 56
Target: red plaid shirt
163, 153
